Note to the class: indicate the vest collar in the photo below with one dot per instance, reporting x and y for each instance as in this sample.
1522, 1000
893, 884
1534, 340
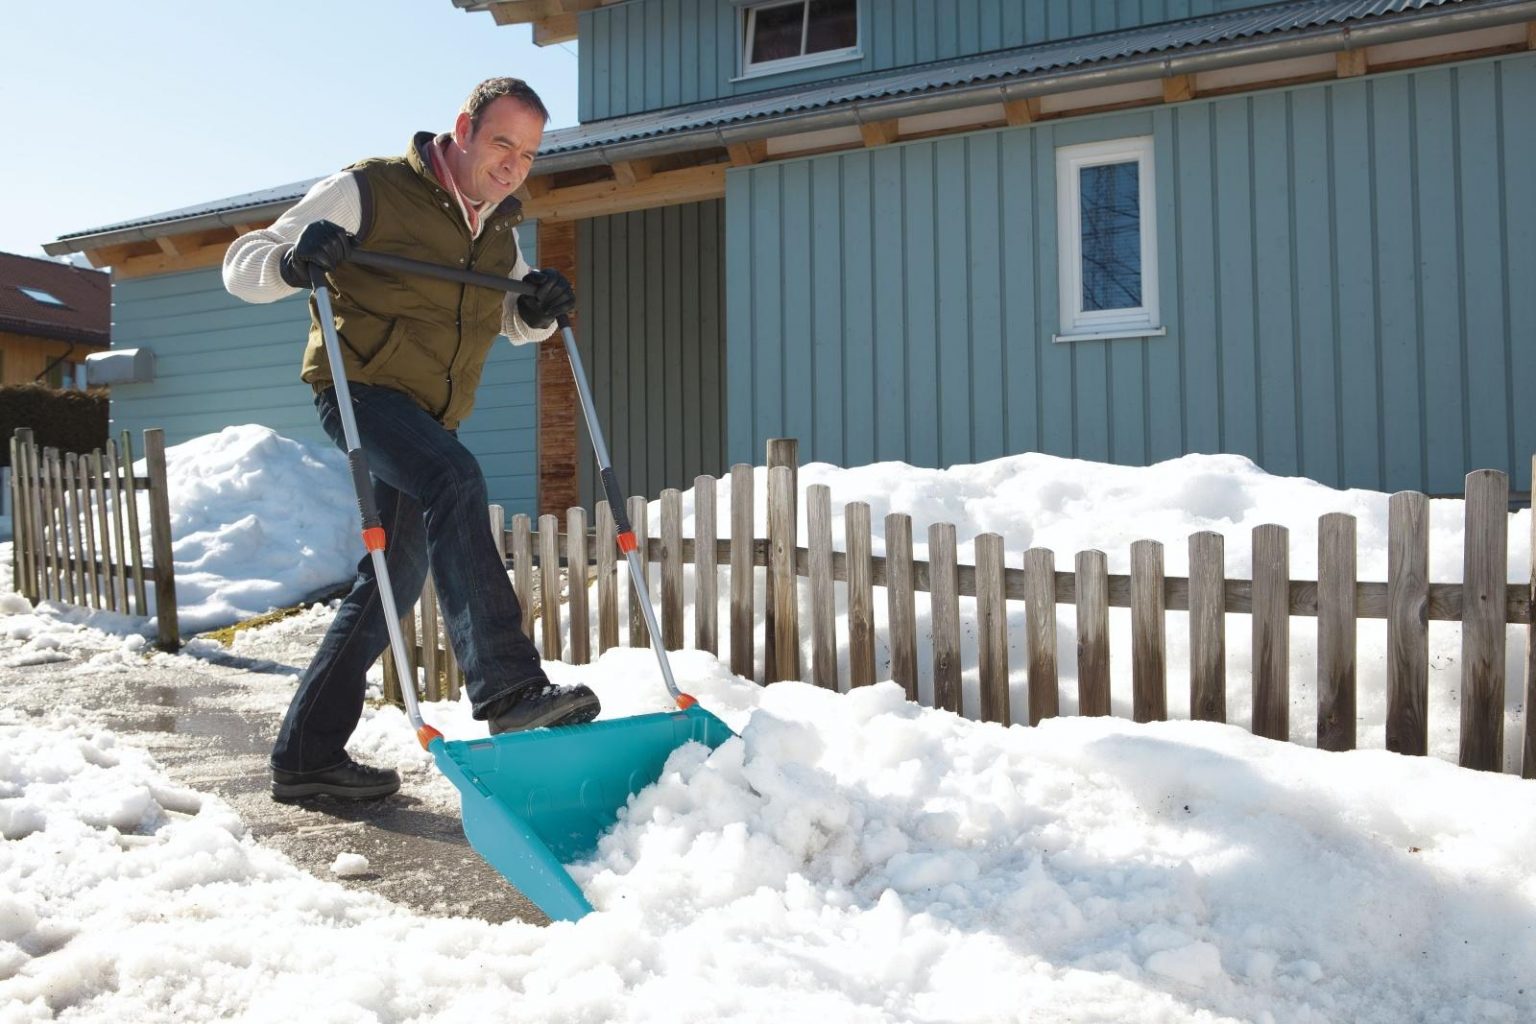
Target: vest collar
418, 156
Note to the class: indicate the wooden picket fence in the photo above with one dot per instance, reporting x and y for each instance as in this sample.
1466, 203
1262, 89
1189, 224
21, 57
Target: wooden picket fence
1483, 603
77, 532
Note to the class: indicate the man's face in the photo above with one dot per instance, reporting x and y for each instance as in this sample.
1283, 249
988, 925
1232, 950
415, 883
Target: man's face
492, 161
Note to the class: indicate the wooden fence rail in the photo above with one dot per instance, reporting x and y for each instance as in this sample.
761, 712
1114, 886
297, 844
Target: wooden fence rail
1484, 603
77, 534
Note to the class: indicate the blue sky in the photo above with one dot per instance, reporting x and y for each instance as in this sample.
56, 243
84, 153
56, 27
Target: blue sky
114, 110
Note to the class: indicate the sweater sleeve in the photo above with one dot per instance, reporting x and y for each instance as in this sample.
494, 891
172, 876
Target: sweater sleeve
251, 264
519, 332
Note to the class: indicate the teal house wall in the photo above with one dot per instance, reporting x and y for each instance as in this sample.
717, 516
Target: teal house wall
220, 362
1346, 270
650, 54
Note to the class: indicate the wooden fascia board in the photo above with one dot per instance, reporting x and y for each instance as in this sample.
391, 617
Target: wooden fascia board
597, 199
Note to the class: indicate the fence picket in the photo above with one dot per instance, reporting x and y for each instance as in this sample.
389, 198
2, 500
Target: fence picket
115, 485
1092, 603
1149, 660
1271, 631
639, 635
1040, 621
607, 580
944, 592
706, 576
1207, 627
1528, 750
1485, 539
576, 587
784, 658
103, 526
522, 568
85, 550
818, 521
23, 566
135, 537
549, 586
992, 629
35, 516
672, 568
1336, 632
74, 543
59, 526
781, 452
743, 574
861, 594
430, 630
900, 597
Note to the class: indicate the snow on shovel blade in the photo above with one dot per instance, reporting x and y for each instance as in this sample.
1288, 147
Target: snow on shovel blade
534, 801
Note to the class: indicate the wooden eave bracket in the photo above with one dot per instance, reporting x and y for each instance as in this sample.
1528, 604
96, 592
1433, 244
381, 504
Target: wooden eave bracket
879, 133
631, 172
744, 154
1352, 63
1022, 111
1178, 88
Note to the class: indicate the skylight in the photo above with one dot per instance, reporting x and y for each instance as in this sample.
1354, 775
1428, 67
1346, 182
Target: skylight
38, 295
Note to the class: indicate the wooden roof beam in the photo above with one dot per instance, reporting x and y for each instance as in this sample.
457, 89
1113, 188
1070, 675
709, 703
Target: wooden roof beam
1024, 111
879, 133
744, 154
1178, 88
1352, 63
631, 172
597, 199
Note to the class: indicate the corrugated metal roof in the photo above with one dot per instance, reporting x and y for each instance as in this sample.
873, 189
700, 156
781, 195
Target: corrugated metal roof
1210, 33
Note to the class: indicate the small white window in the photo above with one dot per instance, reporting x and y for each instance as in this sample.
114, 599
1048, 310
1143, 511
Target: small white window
38, 295
785, 34
1107, 237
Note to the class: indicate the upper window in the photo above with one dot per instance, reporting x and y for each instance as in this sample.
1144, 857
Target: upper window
1106, 203
780, 35
38, 295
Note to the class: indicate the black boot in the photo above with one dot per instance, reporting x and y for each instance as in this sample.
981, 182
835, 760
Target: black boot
539, 703
348, 780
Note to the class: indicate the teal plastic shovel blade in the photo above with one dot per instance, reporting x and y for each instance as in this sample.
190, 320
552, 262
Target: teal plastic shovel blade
535, 801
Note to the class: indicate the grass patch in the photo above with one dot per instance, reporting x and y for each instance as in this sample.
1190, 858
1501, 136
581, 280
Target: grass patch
226, 635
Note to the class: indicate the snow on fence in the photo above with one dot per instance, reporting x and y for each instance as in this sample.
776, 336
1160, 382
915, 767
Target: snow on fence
1483, 603
76, 529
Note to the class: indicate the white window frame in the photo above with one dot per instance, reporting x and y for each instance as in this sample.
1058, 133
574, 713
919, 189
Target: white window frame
1077, 323
747, 26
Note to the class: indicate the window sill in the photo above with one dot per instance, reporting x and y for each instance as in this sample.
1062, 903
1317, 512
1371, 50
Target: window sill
797, 64
1122, 332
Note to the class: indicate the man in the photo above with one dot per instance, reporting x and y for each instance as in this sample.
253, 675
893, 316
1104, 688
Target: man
413, 349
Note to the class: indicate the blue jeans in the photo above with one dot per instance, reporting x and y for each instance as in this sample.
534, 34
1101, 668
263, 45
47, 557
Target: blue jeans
431, 496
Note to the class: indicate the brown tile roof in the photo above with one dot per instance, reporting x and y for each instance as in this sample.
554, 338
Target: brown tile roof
83, 312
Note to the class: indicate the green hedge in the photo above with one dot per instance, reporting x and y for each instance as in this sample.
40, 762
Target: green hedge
71, 421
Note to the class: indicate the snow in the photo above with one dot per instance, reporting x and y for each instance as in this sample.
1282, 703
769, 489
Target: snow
850, 857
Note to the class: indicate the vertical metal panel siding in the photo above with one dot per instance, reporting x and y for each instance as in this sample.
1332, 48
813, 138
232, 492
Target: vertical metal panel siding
651, 339
1343, 281
650, 54
220, 362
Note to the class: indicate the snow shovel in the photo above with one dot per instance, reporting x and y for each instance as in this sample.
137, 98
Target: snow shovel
532, 801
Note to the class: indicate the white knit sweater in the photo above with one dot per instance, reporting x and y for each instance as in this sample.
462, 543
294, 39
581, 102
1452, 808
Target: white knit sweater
251, 264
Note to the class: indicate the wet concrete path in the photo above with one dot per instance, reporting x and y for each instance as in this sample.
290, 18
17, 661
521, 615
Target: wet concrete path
210, 732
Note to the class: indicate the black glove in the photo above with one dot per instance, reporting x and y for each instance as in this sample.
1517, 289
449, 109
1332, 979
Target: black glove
554, 298
322, 246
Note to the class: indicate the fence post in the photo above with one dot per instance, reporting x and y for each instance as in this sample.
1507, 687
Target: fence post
1149, 631
576, 573
944, 592
672, 569
1271, 632
1486, 540
549, 585
743, 573
1336, 613
1092, 581
785, 452
1207, 627
1408, 623
818, 523
706, 564
784, 656
861, 594
1040, 619
901, 602
160, 539
992, 630
1528, 753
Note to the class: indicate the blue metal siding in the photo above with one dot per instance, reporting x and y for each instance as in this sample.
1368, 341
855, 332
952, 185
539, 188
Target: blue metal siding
651, 54
1344, 279
220, 362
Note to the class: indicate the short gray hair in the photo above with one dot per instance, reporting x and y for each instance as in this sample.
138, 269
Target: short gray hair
494, 89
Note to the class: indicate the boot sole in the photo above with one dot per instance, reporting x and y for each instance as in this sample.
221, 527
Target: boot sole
299, 790
555, 717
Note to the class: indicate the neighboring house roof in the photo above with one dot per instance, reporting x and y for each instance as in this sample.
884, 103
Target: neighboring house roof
1215, 40
54, 300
